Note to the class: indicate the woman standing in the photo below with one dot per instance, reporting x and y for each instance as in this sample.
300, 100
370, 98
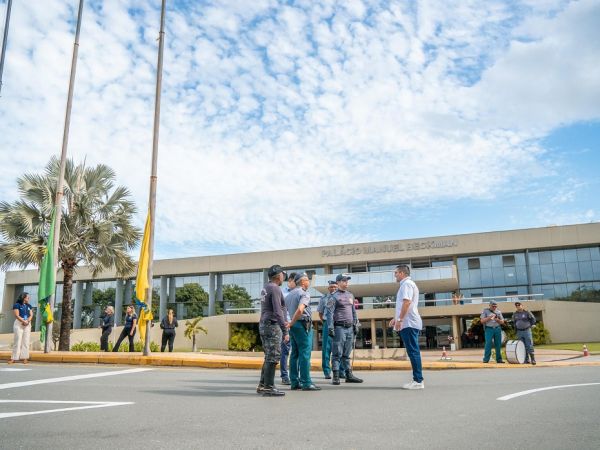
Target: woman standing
107, 326
168, 325
128, 329
22, 328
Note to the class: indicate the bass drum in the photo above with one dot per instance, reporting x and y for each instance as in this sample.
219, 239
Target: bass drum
515, 352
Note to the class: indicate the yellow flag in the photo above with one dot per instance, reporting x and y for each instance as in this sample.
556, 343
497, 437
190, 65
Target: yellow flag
141, 282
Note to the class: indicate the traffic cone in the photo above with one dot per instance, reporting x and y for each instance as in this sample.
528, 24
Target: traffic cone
585, 350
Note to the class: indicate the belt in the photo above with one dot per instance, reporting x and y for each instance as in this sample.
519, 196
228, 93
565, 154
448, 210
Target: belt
343, 324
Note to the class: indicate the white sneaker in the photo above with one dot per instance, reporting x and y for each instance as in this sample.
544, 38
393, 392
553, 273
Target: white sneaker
414, 385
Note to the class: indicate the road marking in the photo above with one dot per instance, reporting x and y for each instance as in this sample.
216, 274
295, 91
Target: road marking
89, 405
12, 369
71, 378
532, 391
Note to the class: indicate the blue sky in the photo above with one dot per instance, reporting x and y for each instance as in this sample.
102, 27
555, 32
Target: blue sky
296, 124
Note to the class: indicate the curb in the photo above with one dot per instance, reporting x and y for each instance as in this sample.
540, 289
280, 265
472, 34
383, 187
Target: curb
256, 363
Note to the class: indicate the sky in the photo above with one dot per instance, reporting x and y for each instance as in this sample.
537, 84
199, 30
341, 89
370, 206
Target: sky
305, 123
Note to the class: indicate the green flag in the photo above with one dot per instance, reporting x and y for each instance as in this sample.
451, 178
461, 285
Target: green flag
47, 283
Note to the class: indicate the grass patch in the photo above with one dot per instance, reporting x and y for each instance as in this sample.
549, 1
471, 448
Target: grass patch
593, 347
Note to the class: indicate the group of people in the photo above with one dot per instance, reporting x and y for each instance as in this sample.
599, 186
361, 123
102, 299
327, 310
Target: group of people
286, 327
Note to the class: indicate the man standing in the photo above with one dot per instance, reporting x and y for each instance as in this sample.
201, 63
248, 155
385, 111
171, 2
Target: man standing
285, 345
491, 318
272, 327
342, 324
107, 325
301, 334
524, 320
408, 321
326, 340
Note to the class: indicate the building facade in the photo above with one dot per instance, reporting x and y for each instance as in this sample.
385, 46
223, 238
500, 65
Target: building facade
457, 275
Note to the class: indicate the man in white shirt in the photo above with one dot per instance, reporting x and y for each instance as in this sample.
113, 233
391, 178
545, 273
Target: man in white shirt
408, 321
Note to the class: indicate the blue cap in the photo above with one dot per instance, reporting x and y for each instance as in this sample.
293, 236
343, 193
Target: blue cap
332, 282
275, 270
342, 277
299, 276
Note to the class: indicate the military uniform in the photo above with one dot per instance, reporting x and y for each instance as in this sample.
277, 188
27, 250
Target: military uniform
342, 323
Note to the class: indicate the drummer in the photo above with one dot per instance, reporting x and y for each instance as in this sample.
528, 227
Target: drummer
492, 318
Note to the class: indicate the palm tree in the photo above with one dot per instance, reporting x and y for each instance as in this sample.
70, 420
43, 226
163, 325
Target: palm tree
192, 329
96, 227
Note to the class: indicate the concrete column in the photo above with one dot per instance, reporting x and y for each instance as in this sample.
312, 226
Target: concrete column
373, 334
180, 311
456, 332
118, 302
162, 310
89, 288
128, 292
220, 290
172, 289
384, 336
211, 294
97, 312
38, 317
78, 305
528, 268
265, 276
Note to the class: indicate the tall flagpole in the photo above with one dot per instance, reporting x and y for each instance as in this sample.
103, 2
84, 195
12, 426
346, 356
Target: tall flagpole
63, 161
4, 40
153, 174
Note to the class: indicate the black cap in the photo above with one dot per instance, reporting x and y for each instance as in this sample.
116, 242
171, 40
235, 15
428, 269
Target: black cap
332, 282
342, 277
299, 276
275, 270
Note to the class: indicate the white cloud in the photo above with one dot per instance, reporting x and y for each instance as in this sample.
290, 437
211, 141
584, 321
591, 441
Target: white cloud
300, 122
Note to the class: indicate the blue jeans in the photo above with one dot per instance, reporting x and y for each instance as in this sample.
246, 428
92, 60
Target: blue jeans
525, 336
300, 357
343, 340
494, 334
283, 362
326, 350
410, 337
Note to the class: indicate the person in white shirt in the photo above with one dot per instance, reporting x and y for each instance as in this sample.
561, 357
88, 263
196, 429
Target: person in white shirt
408, 321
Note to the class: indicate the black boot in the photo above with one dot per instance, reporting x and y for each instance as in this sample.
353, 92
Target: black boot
532, 358
261, 385
336, 378
350, 378
270, 390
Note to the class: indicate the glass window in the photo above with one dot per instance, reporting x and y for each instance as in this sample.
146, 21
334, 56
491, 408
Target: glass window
560, 290
498, 275
486, 277
558, 256
573, 271
519, 259
547, 273
596, 269
585, 271
448, 262
485, 262
521, 274
496, 260
583, 254
570, 255
560, 273
595, 253
508, 261
509, 276
473, 263
475, 278
462, 263
536, 276
534, 258
548, 292
545, 257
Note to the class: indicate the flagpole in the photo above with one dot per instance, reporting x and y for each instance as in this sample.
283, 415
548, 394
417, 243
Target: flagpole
4, 40
153, 174
63, 162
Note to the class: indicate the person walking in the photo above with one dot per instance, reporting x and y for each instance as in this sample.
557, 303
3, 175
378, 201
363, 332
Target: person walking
342, 323
108, 322
325, 339
272, 327
128, 330
168, 325
301, 334
492, 318
22, 329
408, 321
524, 320
286, 345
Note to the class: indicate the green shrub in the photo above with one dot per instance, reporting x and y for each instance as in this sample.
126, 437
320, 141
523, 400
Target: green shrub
541, 334
244, 338
95, 346
86, 347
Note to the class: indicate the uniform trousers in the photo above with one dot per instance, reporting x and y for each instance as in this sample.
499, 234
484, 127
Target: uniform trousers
168, 336
343, 341
104, 339
493, 334
300, 357
527, 338
21, 341
125, 333
326, 350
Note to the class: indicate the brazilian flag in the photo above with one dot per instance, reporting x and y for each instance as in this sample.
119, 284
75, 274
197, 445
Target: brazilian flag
47, 282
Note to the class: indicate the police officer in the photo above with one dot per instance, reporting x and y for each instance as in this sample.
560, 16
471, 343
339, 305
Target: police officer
272, 326
326, 340
301, 334
286, 345
524, 320
342, 323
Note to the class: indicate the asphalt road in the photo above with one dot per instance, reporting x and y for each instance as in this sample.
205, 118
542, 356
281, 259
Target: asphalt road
204, 408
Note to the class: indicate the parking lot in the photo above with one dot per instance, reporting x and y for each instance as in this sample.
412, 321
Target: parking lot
77, 406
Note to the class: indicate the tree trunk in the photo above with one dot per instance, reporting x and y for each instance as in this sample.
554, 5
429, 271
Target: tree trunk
194, 343
66, 320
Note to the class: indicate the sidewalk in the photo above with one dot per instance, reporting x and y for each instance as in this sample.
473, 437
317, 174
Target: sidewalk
462, 359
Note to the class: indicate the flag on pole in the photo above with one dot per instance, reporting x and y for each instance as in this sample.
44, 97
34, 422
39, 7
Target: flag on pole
142, 283
47, 284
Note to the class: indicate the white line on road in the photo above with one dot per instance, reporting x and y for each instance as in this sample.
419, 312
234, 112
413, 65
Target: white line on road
71, 378
89, 405
13, 369
531, 391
